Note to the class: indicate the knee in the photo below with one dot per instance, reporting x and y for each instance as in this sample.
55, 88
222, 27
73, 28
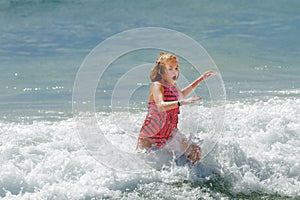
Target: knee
144, 143
194, 153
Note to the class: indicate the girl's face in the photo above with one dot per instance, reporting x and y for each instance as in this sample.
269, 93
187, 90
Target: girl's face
172, 71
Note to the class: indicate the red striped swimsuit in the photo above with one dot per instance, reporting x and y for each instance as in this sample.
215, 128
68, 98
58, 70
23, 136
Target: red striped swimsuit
158, 125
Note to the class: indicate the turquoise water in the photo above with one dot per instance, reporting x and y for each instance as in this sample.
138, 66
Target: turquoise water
255, 45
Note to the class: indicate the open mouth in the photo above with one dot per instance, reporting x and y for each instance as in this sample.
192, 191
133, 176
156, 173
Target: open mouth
174, 78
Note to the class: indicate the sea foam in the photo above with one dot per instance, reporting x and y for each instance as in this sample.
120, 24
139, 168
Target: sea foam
258, 151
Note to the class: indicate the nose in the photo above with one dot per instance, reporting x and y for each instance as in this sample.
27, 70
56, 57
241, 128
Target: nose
173, 72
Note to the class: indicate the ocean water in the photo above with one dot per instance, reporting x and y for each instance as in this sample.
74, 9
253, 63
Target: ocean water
254, 44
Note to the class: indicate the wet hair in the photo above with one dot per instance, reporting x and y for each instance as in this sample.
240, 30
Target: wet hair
159, 70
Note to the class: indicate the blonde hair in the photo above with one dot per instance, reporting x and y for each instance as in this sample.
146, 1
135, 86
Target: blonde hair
160, 66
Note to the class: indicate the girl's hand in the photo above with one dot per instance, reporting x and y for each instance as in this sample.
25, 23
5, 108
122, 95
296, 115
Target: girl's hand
190, 100
206, 75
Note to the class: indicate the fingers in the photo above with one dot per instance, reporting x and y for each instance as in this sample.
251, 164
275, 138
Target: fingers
197, 98
208, 74
193, 99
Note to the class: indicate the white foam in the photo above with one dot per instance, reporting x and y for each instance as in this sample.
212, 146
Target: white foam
258, 151
260, 144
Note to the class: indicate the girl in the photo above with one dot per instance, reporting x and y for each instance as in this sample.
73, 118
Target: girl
160, 126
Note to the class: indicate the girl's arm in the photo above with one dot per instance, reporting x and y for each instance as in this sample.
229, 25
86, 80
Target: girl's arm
157, 92
187, 90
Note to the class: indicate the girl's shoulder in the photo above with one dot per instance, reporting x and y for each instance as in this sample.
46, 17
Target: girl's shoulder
156, 85
155, 89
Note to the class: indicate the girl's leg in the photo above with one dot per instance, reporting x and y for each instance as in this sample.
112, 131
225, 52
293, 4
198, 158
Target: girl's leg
144, 143
194, 152
179, 143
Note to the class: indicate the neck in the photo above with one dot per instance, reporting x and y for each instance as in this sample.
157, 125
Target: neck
164, 82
